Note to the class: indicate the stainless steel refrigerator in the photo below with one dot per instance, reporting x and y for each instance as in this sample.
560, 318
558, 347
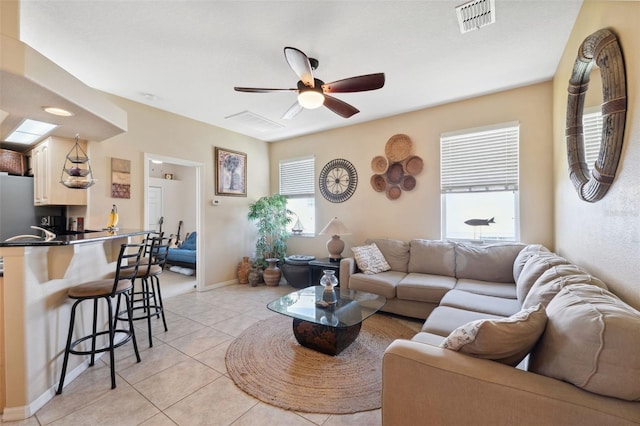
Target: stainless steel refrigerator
17, 212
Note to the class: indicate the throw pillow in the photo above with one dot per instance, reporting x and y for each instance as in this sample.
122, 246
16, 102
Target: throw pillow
506, 340
592, 340
369, 259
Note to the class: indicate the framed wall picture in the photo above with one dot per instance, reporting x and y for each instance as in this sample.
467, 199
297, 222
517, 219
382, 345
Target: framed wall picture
120, 178
231, 172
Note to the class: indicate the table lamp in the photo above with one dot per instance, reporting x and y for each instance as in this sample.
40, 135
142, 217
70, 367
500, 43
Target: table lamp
335, 245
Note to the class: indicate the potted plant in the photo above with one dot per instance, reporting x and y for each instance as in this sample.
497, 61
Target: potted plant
272, 217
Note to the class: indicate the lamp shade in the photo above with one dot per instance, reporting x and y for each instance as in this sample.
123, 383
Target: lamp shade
334, 227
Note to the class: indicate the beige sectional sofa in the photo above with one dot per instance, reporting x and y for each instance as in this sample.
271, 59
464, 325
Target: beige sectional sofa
579, 343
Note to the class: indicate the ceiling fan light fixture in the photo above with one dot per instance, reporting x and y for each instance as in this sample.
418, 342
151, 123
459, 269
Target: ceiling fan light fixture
310, 99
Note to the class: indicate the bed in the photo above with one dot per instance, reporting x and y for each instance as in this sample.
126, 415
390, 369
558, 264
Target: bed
185, 255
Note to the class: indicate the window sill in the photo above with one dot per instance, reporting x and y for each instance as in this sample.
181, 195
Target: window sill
303, 235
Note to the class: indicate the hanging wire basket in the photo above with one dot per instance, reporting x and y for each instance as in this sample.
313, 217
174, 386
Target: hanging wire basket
76, 170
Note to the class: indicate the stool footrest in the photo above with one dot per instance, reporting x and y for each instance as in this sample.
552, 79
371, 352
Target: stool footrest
101, 333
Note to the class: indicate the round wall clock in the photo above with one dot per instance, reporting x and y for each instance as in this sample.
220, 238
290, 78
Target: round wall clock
338, 180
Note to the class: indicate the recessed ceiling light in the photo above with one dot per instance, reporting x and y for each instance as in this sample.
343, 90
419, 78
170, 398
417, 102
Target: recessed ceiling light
30, 131
58, 111
156, 161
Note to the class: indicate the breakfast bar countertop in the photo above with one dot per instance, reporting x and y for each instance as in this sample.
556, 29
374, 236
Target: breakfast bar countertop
63, 240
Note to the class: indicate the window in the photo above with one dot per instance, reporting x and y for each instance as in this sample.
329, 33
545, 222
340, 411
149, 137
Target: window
297, 183
479, 183
592, 130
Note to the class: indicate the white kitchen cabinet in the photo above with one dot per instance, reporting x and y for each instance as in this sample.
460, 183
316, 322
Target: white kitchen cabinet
47, 160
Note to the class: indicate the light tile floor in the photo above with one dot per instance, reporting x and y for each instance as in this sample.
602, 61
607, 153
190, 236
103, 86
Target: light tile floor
183, 379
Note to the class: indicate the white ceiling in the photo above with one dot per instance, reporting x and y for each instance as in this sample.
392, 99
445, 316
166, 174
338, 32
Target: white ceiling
186, 56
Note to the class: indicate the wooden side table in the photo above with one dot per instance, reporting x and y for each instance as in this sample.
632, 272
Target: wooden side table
317, 266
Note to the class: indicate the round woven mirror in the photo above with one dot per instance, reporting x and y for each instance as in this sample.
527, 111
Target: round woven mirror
603, 49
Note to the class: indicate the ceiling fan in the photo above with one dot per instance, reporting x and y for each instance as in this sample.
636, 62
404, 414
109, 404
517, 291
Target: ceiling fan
313, 93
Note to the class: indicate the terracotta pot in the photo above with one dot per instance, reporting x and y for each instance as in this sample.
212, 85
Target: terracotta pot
243, 271
272, 274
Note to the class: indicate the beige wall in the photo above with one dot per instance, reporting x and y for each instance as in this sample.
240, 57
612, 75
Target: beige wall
227, 235
416, 214
603, 237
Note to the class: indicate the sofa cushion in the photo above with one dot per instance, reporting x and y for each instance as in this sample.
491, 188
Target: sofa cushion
424, 287
554, 279
370, 259
506, 290
487, 263
428, 338
481, 303
592, 340
432, 257
443, 320
395, 252
533, 269
506, 340
383, 283
523, 256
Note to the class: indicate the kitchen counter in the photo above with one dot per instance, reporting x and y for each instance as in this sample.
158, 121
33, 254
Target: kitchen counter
63, 240
35, 311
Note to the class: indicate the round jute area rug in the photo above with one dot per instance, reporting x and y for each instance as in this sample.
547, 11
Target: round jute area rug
267, 362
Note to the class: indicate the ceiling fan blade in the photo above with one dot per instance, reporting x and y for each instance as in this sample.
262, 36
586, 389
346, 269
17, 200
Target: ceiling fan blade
293, 110
360, 83
261, 90
341, 108
299, 63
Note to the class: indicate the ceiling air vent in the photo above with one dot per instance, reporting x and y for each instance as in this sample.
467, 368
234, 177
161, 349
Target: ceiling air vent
476, 14
255, 121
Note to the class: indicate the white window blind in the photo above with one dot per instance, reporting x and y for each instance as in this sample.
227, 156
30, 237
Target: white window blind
297, 177
592, 130
480, 160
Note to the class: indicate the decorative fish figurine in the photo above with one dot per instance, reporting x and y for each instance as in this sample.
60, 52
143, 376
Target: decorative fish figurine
479, 222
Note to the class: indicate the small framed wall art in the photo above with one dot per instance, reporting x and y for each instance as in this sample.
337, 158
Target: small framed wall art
120, 178
231, 172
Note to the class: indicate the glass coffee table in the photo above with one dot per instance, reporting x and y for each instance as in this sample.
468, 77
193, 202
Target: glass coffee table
327, 327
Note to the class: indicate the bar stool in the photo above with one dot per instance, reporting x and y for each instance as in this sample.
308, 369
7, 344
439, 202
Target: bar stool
147, 302
107, 289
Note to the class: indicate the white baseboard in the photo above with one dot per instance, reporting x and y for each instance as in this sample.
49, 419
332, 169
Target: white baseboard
220, 284
24, 412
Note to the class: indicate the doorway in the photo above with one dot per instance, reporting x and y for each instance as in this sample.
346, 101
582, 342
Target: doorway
166, 178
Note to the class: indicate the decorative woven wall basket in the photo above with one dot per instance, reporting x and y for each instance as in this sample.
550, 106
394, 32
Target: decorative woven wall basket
379, 164
408, 183
378, 183
11, 162
394, 192
398, 147
413, 165
395, 173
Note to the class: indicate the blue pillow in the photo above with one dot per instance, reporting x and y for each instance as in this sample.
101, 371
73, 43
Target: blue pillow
190, 242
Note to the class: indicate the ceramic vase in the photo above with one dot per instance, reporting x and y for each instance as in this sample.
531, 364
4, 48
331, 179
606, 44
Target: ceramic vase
243, 271
253, 276
272, 274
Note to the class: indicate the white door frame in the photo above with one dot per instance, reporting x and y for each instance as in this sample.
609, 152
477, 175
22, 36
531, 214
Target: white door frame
201, 271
